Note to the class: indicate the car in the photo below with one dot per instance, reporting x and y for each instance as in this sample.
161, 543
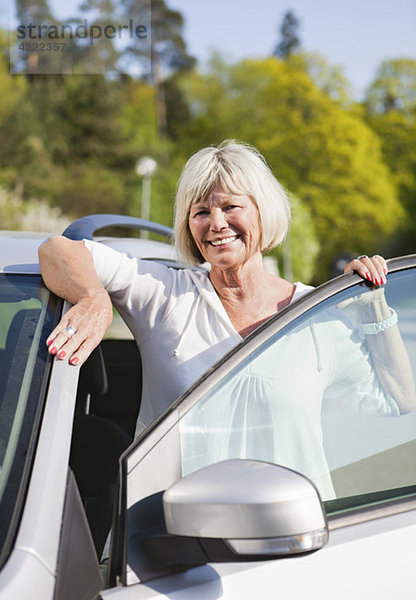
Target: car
196, 506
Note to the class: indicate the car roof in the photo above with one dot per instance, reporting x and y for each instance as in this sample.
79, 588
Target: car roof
19, 250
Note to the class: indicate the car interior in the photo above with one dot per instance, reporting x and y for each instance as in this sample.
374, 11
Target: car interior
107, 405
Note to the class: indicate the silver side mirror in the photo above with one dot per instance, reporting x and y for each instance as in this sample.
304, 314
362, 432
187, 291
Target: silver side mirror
257, 508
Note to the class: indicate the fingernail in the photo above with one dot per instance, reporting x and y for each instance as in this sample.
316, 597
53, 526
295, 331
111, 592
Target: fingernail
62, 354
49, 342
54, 350
368, 276
74, 360
376, 281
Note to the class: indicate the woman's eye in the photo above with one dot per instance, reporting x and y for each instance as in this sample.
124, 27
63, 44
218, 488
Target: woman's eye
231, 206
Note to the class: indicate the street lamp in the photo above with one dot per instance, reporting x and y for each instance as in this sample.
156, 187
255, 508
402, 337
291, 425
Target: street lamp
145, 167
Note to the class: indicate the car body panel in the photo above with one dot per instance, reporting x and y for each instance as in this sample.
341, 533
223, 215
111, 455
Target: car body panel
354, 564
19, 250
35, 551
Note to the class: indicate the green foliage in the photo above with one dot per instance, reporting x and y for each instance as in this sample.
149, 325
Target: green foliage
12, 87
299, 253
390, 110
394, 87
398, 137
138, 119
351, 169
91, 115
328, 78
89, 187
322, 153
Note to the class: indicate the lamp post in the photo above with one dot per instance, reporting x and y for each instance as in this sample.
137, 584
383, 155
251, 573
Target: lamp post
145, 167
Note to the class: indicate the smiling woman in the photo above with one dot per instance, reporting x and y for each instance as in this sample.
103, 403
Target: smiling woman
230, 208
238, 170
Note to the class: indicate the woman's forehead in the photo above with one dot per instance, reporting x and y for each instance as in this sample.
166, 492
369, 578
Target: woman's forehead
221, 192
218, 195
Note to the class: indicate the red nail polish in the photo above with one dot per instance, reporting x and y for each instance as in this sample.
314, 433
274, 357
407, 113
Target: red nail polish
54, 350
62, 354
377, 281
368, 276
74, 361
49, 342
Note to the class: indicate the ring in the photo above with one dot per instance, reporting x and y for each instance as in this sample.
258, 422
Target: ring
361, 256
69, 331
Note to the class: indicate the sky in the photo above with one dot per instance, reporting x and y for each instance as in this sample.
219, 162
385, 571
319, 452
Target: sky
355, 34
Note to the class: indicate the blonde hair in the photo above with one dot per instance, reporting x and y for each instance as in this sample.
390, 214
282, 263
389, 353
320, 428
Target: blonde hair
235, 168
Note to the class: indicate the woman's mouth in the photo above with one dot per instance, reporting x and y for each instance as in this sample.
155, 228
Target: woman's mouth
223, 241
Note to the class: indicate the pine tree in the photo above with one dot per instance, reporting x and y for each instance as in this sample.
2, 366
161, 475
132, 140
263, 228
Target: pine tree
290, 41
168, 51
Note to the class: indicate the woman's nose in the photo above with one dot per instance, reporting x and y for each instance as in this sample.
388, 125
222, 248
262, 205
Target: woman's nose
217, 220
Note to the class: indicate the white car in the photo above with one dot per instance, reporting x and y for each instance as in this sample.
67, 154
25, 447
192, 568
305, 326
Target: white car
195, 506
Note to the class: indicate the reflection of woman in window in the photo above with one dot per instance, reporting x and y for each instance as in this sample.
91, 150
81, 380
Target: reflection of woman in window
271, 407
229, 210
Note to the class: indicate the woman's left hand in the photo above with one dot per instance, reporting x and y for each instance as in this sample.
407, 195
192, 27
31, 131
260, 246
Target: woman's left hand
373, 269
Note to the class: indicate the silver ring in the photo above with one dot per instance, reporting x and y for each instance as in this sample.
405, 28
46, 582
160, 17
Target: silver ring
69, 331
361, 256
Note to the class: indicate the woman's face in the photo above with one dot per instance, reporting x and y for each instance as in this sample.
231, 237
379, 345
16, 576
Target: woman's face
226, 228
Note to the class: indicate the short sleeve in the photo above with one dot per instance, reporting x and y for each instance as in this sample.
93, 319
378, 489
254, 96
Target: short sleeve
141, 290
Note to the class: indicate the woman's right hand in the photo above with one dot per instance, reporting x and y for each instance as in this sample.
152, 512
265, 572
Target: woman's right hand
90, 318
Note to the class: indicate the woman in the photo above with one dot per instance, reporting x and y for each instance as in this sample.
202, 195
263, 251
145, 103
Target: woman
229, 210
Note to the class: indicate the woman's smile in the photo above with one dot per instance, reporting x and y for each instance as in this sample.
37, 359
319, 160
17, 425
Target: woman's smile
223, 241
225, 228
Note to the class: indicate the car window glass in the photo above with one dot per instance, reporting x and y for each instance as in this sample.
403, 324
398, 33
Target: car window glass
310, 399
27, 314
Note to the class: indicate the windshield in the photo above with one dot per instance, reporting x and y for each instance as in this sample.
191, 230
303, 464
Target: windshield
27, 313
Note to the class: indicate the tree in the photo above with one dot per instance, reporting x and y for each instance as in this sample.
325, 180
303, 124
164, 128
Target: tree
390, 110
34, 14
290, 41
301, 246
168, 51
328, 78
90, 113
101, 57
322, 153
398, 139
394, 88
12, 87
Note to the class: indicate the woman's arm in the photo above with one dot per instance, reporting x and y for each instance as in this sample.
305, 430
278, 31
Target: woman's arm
68, 270
388, 353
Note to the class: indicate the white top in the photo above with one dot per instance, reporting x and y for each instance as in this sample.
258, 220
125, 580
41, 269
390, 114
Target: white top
274, 408
177, 319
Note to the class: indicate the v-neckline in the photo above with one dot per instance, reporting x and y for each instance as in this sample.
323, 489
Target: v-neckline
211, 296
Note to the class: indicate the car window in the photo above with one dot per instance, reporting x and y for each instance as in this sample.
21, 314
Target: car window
27, 315
311, 398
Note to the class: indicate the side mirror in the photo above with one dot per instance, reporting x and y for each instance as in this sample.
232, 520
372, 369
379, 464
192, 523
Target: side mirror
256, 508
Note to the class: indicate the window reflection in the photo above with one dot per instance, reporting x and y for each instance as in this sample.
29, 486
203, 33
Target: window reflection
311, 400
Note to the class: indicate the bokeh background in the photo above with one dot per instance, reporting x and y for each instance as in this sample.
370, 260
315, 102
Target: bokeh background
325, 90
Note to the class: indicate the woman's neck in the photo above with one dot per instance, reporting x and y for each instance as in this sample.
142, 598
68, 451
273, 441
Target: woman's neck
240, 282
250, 295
